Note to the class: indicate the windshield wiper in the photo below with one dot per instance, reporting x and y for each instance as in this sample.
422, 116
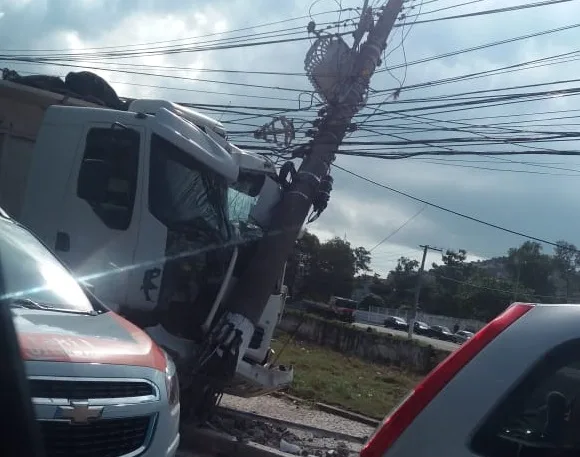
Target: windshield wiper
31, 304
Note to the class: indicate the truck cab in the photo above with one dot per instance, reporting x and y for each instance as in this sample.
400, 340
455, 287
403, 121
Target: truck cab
152, 206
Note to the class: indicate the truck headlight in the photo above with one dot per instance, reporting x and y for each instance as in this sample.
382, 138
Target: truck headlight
171, 381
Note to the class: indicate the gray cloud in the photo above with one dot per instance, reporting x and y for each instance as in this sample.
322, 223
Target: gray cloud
542, 205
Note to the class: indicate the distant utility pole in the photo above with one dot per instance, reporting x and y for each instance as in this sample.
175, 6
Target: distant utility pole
426, 248
311, 182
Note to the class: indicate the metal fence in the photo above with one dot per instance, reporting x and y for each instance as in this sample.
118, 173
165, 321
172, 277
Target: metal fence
376, 316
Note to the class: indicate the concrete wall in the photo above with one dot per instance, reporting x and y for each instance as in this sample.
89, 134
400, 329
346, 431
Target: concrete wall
377, 316
375, 347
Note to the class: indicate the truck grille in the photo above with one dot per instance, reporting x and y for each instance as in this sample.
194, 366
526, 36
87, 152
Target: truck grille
103, 438
83, 390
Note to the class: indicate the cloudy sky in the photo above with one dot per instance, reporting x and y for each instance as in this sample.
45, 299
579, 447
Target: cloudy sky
537, 195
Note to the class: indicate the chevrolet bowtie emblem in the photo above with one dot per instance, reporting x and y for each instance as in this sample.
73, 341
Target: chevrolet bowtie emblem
79, 412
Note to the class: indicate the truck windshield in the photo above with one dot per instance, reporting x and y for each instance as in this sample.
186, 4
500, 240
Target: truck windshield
185, 196
31, 274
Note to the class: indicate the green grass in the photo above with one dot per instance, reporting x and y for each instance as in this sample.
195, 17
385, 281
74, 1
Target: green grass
324, 375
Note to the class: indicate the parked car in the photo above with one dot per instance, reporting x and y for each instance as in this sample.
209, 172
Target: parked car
99, 385
462, 336
440, 332
488, 400
396, 323
421, 328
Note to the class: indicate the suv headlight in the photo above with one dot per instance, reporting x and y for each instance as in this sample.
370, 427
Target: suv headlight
171, 381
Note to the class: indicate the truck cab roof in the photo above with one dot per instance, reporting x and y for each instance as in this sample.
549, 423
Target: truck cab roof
152, 106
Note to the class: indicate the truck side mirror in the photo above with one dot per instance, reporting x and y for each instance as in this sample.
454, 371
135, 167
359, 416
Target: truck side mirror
93, 180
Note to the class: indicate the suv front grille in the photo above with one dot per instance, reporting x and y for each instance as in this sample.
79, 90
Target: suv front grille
103, 438
83, 390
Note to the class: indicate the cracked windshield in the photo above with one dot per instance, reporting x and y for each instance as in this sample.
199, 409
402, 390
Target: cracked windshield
321, 228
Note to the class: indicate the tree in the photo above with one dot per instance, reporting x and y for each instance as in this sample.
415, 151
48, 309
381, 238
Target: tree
362, 260
371, 301
453, 258
449, 277
334, 270
531, 268
402, 281
566, 261
484, 297
300, 263
406, 265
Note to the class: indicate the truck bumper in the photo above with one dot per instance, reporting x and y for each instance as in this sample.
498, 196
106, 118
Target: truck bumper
252, 380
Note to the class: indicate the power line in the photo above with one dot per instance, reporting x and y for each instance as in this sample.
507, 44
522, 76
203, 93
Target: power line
450, 152
459, 5
204, 36
398, 229
474, 167
503, 116
492, 11
238, 43
450, 211
491, 101
484, 46
463, 129
493, 289
184, 89
520, 66
140, 73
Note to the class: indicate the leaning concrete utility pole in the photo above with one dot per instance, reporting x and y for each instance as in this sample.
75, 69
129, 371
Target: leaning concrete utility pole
341, 75
257, 282
426, 248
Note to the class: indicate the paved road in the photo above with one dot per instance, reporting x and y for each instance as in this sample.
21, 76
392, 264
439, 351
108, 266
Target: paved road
443, 345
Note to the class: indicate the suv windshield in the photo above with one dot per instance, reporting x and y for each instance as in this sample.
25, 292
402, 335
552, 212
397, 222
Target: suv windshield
31, 274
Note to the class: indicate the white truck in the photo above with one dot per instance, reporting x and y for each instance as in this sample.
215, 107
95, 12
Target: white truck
152, 206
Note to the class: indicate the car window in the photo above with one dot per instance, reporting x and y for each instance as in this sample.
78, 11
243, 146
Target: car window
541, 416
30, 271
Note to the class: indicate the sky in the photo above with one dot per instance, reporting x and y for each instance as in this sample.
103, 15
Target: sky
537, 195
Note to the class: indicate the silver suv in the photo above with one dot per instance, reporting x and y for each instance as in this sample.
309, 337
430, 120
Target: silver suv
99, 385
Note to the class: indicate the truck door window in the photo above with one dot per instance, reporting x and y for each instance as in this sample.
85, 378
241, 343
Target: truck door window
118, 148
242, 197
540, 417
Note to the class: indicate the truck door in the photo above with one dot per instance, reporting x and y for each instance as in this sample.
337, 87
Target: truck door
98, 226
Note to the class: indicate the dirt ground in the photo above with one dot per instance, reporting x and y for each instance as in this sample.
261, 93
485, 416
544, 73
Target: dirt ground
287, 438
308, 443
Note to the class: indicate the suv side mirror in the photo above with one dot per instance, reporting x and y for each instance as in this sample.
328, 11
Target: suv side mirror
93, 180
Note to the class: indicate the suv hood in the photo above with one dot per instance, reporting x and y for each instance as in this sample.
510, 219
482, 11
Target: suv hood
105, 338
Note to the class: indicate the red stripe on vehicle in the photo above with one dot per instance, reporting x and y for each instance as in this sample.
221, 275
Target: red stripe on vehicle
55, 347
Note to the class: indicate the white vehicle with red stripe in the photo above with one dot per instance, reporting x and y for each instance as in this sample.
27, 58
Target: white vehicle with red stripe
99, 385
512, 390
